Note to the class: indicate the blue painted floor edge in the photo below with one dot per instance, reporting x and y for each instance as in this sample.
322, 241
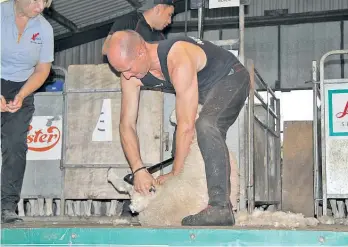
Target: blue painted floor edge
129, 236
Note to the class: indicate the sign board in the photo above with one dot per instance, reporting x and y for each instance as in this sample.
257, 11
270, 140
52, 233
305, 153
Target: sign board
44, 138
338, 112
336, 139
213, 4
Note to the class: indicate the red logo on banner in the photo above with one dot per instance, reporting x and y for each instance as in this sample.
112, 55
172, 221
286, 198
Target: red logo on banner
344, 112
43, 139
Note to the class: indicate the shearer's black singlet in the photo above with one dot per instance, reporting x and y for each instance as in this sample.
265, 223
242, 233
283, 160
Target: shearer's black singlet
219, 64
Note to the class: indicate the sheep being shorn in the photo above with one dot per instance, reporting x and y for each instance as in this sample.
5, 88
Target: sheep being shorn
180, 196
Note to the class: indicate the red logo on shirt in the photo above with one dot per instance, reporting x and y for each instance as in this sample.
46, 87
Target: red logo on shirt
34, 36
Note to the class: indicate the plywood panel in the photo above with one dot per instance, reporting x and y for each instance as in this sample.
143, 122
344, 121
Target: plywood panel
297, 171
91, 183
91, 159
84, 110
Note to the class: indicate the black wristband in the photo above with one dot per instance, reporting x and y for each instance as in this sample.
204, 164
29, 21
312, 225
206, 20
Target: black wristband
139, 169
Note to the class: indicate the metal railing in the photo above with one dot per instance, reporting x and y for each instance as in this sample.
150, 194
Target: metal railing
271, 129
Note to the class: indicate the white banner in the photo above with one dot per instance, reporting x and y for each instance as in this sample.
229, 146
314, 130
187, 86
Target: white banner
103, 129
213, 4
45, 138
338, 112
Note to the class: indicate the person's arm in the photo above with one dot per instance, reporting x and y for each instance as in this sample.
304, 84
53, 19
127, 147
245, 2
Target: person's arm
183, 74
128, 121
143, 180
36, 80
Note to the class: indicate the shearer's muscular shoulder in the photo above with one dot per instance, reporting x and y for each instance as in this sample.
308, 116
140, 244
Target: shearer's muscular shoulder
183, 53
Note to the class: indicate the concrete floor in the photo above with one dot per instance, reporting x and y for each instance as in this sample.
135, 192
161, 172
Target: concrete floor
107, 222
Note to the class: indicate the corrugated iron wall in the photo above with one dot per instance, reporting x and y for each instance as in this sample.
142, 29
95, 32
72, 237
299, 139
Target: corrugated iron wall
89, 53
299, 45
257, 8
87, 12
286, 57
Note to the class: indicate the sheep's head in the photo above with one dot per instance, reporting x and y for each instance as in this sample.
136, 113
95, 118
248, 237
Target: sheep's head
173, 115
140, 202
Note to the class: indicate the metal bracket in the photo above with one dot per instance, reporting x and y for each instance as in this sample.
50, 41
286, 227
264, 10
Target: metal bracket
166, 140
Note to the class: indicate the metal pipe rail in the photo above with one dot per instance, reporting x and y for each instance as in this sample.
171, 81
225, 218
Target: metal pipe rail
268, 130
250, 135
225, 42
315, 137
264, 104
90, 90
266, 127
330, 81
64, 127
101, 166
264, 84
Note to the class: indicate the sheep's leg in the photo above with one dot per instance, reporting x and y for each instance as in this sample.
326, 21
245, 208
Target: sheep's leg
117, 181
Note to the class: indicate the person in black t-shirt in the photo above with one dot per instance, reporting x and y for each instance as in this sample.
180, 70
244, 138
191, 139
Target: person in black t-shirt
157, 15
198, 72
148, 24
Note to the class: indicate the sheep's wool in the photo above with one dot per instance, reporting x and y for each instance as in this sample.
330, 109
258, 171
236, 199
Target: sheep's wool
180, 195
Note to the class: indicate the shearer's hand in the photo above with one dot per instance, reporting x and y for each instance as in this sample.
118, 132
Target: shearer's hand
163, 178
143, 181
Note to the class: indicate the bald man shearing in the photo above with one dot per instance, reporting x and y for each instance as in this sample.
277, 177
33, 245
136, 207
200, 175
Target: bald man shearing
197, 72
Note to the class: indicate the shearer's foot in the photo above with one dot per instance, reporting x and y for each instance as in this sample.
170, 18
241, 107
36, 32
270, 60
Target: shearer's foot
8, 216
211, 216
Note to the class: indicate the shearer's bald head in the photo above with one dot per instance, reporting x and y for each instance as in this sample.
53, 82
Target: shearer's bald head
126, 50
123, 47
